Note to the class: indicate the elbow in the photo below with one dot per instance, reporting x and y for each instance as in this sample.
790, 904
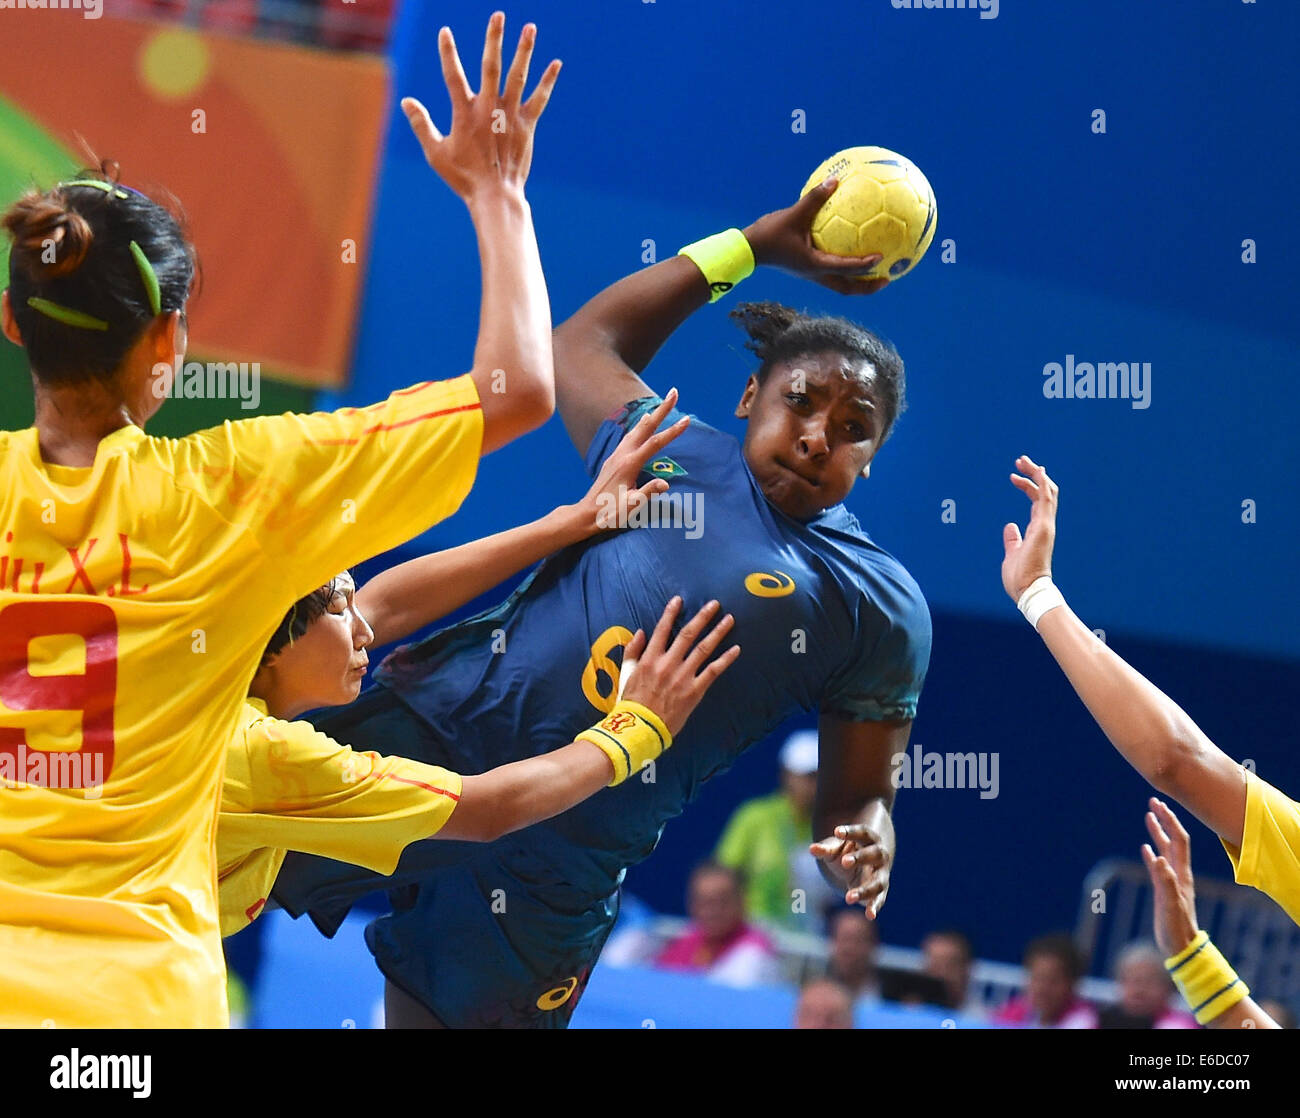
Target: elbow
1175, 759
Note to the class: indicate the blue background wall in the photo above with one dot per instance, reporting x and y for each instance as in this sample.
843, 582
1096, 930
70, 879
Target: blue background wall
673, 120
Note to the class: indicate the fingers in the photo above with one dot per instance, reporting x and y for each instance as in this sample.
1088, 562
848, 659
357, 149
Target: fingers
686, 638
873, 856
706, 648
850, 266
536, 104
857, 832
1157, 833
491, 80
1176, 837
1011, 537
421, 124
518, 76
827, 849
452, 71
631, 654
705, 679
659, 638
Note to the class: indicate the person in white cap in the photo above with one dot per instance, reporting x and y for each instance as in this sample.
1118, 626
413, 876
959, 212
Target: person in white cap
766, 839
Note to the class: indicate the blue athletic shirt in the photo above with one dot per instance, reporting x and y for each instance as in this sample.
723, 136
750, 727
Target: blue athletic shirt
826, 621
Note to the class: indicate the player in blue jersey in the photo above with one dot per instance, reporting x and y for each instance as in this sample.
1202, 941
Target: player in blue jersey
507, 934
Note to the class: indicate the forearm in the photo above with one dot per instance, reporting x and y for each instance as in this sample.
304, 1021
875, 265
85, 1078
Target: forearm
513, 367
517, 795
1149, 729
410, 595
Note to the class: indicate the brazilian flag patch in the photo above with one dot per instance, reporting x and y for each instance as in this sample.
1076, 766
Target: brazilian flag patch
665, 467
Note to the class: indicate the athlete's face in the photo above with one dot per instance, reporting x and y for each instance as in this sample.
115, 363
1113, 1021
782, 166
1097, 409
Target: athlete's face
325, 666
815, 423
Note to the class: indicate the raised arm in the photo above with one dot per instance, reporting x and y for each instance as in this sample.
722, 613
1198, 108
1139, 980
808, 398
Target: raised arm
603, 347
410, 595
485, 159
1153, 732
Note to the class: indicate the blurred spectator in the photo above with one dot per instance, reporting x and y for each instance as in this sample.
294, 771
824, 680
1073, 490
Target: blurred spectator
767, 839
1049, 1001
948, 956
852, 960
1145, 993
719, 944
1279, 1012
823, 1004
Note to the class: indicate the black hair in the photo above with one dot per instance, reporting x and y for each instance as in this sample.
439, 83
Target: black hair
779, 333
300, 617
71, 246
1058, 946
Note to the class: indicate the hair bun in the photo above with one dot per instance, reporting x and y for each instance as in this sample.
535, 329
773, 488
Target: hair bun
52, 238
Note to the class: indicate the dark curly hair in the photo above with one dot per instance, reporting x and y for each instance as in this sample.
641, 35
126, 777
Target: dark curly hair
779, 333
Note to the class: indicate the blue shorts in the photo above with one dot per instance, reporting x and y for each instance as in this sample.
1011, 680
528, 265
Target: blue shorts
482, 935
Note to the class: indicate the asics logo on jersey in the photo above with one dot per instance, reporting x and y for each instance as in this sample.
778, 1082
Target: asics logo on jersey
617, 723
555, 998
763, 584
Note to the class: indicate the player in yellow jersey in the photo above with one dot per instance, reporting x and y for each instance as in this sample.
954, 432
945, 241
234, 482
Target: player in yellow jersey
140, 577
289, 787
1258, 825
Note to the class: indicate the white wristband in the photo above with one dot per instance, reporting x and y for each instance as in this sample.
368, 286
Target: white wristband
1040, 596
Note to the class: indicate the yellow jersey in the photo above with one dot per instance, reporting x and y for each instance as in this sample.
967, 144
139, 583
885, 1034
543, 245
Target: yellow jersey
290, 787
136, 598
1269, 857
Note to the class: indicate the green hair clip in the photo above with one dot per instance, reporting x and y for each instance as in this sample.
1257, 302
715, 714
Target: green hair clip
66, 315
148, 276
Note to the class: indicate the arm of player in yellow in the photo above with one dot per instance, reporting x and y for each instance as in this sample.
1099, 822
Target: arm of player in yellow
672, 676
410, 595
1154, 733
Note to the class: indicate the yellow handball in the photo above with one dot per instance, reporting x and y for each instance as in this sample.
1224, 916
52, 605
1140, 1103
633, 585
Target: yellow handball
883, 204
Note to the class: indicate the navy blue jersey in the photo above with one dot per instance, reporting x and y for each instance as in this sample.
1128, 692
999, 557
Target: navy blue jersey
826, 621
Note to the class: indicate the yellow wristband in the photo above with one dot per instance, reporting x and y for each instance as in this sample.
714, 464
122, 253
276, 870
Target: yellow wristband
1208, 984
724, 258
631, 736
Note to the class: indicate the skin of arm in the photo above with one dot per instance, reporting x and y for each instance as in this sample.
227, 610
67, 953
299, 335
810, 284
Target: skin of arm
410, 595
854, 798
1175, 906
1149, 729
602, 348
486, 165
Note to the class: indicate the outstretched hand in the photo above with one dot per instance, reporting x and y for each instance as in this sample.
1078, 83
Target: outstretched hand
783, 239
1171, 878
491, 139
860, 857
1027, 559
613, 498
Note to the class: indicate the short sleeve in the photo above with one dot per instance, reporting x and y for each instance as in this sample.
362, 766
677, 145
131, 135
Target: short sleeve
883, 681
1269, 858
324, 491
304, 791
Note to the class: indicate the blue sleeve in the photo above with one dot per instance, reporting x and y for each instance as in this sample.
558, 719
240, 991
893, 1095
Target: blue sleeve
610, 433
882, 683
